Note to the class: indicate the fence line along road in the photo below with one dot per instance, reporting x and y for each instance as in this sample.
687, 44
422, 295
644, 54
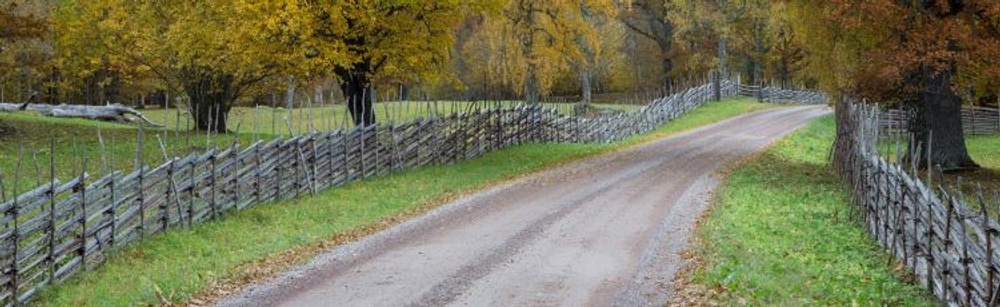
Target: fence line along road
61, 228
948, 240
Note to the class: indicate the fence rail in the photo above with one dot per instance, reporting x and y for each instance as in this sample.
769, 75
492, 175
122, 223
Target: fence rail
947, 241
975, 120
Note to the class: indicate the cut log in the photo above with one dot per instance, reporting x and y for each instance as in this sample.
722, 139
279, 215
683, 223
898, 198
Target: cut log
111, 112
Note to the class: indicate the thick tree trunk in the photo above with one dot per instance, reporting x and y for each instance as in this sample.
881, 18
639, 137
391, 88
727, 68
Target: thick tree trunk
354, 86
723, 57
531, 85
938, 118
404, 92
212, 97
585, 87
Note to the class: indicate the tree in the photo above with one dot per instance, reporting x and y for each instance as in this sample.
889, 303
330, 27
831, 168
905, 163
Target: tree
210, 50
916, 53
788, 56
551, 35
19, 26
24, 54
362, 41
652, 19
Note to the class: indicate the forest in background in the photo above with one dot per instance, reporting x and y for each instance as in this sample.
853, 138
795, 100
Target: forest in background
139, 53
931, 57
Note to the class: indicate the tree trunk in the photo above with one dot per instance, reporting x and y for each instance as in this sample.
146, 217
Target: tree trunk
318, 94
354, 86
585, 87
404, 92
666, 63
211, 99
528, 49
723, 57
290, 93
938, 117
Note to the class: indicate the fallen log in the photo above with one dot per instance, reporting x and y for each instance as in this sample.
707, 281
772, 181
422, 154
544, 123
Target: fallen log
111, 112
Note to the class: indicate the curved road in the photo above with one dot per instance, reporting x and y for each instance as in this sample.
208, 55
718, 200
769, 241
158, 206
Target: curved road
603, 231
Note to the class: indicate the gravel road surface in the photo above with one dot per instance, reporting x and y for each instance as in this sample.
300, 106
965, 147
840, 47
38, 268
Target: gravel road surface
603, 231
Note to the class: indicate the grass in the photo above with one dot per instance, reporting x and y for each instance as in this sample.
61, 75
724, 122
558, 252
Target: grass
780, 235
985, 149
272, 121
181, 264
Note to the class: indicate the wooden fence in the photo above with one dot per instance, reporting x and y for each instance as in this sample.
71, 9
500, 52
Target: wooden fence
64, 227
975, 120
783, 96
947, 242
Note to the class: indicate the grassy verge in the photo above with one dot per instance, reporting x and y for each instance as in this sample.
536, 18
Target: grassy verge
180, 264
780, 235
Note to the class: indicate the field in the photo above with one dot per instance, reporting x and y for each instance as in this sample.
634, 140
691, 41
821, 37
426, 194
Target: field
182, 264
781, 235
277, 121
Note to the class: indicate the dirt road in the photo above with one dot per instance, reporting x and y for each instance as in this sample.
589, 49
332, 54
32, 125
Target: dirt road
603, 231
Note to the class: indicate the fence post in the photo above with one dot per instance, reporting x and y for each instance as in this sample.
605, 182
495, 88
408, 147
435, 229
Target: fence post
15, 236
52, 212
211, 181
329, 159
256, 183
191, 185
277, 169
83, 217
165, 207
234, 183
315, 161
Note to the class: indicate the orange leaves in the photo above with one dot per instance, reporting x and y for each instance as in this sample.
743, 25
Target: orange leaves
894, 40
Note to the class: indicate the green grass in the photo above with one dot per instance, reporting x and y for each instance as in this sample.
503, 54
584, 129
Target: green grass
181, 263
273, 121
985, 149
780, 235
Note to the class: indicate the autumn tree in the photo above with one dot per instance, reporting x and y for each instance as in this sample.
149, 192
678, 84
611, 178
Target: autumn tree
17, 26
652, 19
207, 49
362, 41
788, 53
916, 53
24, 54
